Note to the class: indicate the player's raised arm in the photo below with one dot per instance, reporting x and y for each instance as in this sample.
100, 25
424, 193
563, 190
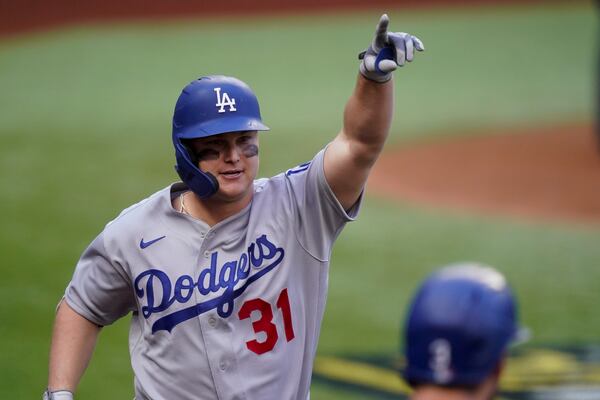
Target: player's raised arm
368, 113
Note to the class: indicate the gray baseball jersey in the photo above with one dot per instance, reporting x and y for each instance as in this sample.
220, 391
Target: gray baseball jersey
231, 311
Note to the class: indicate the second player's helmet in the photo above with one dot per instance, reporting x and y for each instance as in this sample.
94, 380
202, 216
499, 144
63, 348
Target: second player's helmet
459, 325
209, 106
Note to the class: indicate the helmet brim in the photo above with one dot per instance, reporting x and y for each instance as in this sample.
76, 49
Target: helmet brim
219, 126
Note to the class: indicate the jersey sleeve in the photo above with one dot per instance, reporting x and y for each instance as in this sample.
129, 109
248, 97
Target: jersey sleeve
100, 289
319, 216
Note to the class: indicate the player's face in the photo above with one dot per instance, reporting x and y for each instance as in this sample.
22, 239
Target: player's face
233, 159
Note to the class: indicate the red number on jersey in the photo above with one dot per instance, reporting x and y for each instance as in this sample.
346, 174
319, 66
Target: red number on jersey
283, 302
265, 322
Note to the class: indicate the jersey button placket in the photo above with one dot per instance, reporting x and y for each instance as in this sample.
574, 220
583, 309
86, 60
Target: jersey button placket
213, 327
212, 321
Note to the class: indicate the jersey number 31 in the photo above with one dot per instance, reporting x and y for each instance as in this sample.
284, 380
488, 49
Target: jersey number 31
265, 322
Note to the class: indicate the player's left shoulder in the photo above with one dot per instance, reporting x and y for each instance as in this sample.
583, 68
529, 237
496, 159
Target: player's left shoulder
261, 184
270, 192
303, 170
269, 185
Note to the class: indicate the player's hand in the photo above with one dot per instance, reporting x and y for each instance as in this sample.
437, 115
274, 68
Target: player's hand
388, 51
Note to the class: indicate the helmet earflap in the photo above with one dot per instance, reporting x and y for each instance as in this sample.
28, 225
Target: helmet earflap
191, 153
188, 170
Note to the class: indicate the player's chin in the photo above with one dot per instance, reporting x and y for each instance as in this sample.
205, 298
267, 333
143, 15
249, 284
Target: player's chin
234, 189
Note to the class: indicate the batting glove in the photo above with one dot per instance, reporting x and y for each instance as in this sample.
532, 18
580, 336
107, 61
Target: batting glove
388, 51
58, 395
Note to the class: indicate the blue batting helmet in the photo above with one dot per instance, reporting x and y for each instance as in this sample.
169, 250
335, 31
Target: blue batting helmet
209, 106
460, 322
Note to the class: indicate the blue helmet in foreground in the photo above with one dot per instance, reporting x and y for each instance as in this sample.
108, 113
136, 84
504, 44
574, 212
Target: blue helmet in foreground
459, 325
209, 106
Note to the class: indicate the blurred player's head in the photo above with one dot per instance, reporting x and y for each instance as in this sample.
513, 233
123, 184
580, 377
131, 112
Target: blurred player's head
213, 109
459, 325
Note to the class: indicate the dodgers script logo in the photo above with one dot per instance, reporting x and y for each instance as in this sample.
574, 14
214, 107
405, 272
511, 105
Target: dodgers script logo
155, 288
224, 100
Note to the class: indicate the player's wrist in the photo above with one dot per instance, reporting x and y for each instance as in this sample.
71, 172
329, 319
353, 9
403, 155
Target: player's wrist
372, 75
57, 395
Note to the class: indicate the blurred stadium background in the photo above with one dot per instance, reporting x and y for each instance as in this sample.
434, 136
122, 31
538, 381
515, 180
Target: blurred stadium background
85, 108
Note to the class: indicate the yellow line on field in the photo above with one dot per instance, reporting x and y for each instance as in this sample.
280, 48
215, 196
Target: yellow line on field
592, 375
362, 374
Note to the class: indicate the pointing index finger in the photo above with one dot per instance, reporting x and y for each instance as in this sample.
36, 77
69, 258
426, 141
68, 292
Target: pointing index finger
381, 30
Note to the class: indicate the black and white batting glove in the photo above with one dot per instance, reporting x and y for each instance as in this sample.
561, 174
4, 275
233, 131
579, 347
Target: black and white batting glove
58, 395
388, 51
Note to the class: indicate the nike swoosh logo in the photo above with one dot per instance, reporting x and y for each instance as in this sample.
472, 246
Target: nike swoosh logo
143, 244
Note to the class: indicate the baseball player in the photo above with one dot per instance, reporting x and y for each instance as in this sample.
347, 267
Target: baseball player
225, 276
457, 331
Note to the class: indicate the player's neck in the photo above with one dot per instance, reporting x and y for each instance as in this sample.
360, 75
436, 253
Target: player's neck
486, 390
439, 393
211, 210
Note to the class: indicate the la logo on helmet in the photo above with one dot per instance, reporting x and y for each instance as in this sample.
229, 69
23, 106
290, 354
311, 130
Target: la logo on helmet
223, 101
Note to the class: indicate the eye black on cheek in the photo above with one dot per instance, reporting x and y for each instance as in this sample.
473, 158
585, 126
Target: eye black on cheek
250, 150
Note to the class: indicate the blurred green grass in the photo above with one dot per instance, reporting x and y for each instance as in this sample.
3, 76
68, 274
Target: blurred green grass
85, 132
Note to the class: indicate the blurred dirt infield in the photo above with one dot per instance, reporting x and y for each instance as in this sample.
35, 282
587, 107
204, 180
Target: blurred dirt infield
550, 173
